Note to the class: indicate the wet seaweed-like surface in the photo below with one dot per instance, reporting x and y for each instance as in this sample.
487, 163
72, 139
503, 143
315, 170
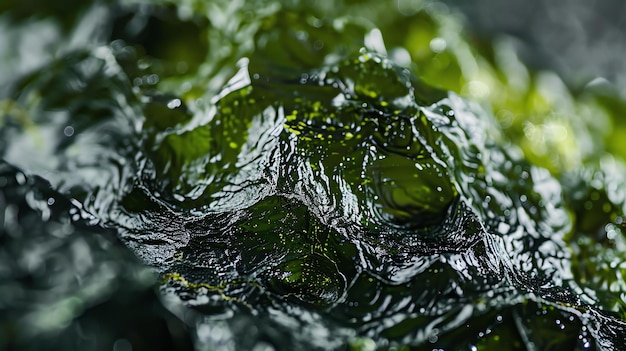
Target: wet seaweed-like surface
301, 186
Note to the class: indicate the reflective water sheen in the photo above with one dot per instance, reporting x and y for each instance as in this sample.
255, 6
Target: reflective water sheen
300, 188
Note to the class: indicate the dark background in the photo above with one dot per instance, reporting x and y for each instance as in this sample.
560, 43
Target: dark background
579, 39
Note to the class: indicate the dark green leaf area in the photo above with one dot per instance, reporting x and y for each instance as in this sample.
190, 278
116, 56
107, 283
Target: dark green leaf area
277, 244
72, 284
597, 241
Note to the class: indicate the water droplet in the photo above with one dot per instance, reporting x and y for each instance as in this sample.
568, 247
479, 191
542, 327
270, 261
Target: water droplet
68, 131
174, 103
20, 178
151, 79
438, 45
